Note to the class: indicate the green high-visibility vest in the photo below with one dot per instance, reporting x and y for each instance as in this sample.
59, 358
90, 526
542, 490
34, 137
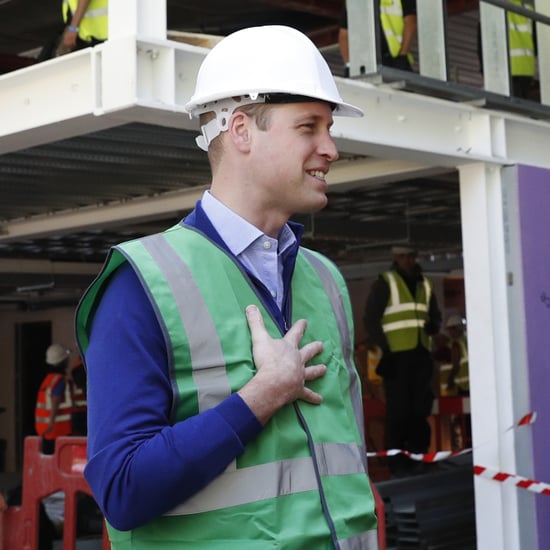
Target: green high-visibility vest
94, 24
404, 317
393, 24
521, 45
272, 495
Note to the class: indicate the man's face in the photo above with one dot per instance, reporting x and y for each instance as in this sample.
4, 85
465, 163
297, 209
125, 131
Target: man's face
455, 331
406, 262
293, 156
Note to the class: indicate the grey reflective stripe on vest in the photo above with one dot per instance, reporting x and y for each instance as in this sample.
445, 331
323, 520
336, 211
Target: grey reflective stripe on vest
204, 344
273, 479
367, 540
98, 12
338, 459
335, 297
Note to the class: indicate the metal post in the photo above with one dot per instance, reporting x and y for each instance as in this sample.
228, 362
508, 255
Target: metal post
144, 18
432, 49
494, 42
362, 31
543, 51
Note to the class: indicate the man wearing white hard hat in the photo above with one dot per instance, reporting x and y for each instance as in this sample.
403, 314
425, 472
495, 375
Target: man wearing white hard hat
233, 415
401, 315
53, 403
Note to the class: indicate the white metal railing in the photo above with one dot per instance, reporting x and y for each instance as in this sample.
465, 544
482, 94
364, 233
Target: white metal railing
433, 71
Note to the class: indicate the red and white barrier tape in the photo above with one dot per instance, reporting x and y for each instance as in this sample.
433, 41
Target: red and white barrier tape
529, 418
422, 457
513, 479
538, 487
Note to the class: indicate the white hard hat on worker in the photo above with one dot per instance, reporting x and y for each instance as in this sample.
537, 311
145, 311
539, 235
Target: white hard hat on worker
269, 64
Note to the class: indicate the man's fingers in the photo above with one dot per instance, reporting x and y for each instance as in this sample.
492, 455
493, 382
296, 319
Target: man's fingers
309, 396
296, 332
314, 371
309, 351
255, 321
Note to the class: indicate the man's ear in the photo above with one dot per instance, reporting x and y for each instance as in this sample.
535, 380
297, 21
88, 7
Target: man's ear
239, 129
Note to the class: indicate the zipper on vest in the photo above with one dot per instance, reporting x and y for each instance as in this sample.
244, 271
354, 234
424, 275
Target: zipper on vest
324, 505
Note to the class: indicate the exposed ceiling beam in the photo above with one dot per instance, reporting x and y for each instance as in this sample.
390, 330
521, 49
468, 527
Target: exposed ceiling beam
24, 266
344, 175
110, 215
353, 173
323, 8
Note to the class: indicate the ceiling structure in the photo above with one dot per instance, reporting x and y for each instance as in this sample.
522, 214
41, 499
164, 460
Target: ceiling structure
141, 164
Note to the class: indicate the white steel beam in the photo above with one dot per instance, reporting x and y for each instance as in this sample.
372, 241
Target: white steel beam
491, 389
17, 265
128, 80
344, 175
82, 219
362, 172
435, 131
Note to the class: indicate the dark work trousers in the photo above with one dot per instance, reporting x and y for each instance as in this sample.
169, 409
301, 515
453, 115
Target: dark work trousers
409, 399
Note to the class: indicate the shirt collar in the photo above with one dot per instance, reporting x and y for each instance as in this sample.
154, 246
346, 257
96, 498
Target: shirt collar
237, 233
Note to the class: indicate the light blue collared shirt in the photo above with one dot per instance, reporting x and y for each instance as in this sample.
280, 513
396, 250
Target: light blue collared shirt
260, 254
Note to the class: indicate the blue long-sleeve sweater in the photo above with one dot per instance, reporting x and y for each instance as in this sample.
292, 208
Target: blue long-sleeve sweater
140, 466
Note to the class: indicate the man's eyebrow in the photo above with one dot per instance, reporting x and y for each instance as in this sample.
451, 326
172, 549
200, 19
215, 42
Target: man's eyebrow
304, 117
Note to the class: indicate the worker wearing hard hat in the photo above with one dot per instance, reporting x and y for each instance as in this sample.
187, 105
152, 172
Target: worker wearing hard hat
401, 315
54, 403
233, 413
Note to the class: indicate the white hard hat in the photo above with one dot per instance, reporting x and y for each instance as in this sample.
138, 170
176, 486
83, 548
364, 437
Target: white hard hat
399, 250
56, 354
454, 321
261, 65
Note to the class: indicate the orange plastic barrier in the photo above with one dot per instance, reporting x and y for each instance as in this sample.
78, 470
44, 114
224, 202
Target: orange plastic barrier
42, 476
62, 471
445, 407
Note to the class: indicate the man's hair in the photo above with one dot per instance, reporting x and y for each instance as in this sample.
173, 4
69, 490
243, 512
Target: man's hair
260, 112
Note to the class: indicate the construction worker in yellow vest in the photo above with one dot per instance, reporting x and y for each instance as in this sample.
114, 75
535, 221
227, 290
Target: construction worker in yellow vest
401, 316
398, 27
521, 48
86, 24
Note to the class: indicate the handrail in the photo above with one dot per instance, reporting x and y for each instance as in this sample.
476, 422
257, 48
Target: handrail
520, 10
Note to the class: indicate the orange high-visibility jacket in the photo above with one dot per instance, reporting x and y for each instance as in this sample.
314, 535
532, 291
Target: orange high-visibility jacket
62, 422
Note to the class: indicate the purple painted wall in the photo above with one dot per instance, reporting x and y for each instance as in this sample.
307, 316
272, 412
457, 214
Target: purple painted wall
534, 208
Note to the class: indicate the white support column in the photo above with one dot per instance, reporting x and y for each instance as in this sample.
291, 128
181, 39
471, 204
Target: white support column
518, 351
488, 314
143, 18
543, 51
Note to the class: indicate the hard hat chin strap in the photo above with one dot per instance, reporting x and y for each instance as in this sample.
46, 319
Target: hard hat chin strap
223, 109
